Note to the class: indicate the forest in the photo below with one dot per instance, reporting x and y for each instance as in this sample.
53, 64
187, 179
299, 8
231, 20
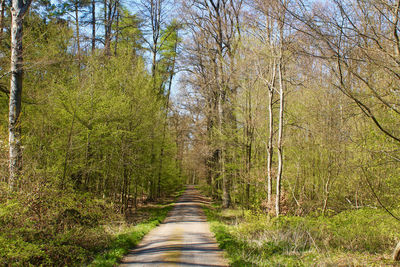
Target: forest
285, 113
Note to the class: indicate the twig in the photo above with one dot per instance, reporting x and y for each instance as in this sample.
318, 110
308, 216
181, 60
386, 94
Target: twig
377, 198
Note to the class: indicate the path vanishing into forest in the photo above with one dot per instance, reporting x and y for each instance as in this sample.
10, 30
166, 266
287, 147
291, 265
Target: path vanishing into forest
183, 239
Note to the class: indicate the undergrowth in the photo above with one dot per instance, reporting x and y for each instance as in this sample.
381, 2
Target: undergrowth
49, 227
363, 237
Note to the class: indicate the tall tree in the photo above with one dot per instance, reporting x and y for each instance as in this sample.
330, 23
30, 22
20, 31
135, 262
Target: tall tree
215, 26
170, 39
18, 11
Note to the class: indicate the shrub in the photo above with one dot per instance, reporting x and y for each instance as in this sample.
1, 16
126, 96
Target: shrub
49, 227
257, 239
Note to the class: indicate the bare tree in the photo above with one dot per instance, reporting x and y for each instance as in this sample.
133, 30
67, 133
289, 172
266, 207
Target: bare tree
93, 22
272, 34
214, 26
359, 43
154, 13
110, 11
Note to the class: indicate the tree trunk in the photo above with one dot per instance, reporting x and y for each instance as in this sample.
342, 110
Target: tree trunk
67, 148
396, 252
18, 11
116, 34
110, 8
249, 145
161, 163
78, 43
154, 65
3, 7
270, 145
280, 135
171, 76
226, 198
106, 32
93, 26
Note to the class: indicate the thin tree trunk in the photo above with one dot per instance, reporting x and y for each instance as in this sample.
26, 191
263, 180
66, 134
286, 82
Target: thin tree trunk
154, 66
88, 156
270, 145
89, 152
281, 111
106, 32
151, 195
155, 33
160, 166
116, 34
249, 145
3, 7
78, 43
128, 192
93, 26
67, 148
172, 72
225, 184
280, 135
124, 186
136, 194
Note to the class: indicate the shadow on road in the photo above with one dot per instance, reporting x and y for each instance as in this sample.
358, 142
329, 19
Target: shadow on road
183, 239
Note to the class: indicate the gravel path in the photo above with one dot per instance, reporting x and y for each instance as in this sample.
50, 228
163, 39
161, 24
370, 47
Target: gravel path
184, 239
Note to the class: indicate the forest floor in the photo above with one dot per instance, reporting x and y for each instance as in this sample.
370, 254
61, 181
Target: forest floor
363, 237
183, 239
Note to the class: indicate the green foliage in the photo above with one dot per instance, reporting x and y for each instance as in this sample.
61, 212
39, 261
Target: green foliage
92, 132
130, 37
47, 227
50, 228
251, 238
93, 124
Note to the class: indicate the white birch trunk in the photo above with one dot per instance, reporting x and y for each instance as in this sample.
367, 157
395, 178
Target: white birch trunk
281, 112
280, 135
18, 11
270, 148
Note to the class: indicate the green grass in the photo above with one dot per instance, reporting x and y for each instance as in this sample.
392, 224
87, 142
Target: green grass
123, 242
362, 237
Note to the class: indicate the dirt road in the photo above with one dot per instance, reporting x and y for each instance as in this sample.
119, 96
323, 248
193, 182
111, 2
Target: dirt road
184, 239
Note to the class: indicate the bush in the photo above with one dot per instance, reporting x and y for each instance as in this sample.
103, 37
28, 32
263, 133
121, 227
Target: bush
49, 227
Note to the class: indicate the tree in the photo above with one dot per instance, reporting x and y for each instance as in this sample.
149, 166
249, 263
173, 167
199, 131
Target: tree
215, 27
360, 44
110, 9
154, 14
93, 22
167, 63
18, 11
